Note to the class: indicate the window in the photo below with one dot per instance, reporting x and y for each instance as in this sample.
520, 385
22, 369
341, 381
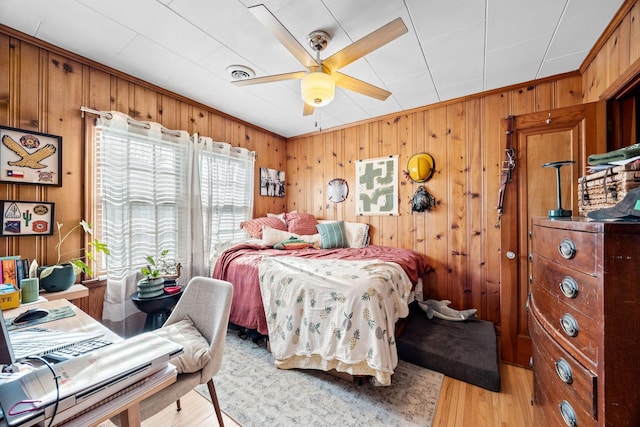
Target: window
140, 189
147, 194
156, 189
226, 192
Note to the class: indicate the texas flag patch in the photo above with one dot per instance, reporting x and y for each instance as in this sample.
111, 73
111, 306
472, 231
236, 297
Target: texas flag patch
15, 174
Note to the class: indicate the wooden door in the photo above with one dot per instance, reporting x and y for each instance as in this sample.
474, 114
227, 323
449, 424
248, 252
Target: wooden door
571, 133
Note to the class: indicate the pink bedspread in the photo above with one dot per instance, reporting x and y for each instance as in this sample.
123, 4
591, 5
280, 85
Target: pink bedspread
239, 265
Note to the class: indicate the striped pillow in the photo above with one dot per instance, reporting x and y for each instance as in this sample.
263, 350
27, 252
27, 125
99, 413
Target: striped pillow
301, 223
332, 235
254, 226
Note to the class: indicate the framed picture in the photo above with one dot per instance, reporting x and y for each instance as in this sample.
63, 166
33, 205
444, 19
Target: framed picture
28, 157
21, 218
377, 186
271, 182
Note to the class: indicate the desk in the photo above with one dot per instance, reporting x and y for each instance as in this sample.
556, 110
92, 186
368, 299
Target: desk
79, 294
127, 404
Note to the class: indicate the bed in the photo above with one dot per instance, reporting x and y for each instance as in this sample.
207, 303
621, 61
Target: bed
323, 308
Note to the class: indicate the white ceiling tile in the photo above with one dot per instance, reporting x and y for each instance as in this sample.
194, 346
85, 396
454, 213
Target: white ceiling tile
514, 64
511, 22
456, 56
436, 18
581, 26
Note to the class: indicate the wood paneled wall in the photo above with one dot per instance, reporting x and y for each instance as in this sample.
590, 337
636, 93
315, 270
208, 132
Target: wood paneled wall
615, 56
42, 89
459, 236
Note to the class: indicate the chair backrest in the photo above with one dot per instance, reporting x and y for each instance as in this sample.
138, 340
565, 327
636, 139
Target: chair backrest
207, 303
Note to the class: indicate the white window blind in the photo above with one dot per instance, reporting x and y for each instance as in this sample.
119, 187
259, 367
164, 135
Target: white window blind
141, 189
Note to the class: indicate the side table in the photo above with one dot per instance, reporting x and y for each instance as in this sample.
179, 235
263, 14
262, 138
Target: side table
157, 308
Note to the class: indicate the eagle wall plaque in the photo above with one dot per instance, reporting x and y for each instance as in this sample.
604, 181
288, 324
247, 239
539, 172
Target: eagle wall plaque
28, 157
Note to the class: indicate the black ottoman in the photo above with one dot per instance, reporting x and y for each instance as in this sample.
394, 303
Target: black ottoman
466, 351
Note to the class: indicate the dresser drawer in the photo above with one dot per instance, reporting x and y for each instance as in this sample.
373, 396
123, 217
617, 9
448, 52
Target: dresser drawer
579, 290
561, 374
572, 249
563, 319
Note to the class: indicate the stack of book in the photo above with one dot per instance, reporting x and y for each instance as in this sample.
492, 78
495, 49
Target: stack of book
12, 270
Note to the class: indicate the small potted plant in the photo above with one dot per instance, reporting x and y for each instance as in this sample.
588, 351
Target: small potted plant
152, 283
61, 275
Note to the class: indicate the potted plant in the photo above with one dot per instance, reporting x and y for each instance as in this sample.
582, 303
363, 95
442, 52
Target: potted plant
152, 283
61, 275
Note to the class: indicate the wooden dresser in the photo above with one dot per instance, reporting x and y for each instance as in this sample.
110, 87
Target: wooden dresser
584, 322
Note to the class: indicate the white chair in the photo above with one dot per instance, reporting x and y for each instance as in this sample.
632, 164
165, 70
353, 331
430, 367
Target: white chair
207, 303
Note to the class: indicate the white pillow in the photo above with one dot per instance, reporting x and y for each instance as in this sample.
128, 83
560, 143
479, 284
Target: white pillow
196, 348
357, 233
279, 216
271, 236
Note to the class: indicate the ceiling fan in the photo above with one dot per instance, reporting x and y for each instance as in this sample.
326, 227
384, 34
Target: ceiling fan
318, 83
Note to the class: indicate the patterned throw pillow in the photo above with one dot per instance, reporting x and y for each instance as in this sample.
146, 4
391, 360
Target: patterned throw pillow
293, 243
254, 226
357, 232
332, 235
301, 223
272, 236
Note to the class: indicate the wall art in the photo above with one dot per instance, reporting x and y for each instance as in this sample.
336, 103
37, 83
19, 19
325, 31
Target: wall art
22, 218
28, 157
271, 182
377, 186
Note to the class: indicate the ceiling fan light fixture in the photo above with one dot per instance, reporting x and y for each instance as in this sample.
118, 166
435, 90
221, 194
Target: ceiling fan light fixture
318, 89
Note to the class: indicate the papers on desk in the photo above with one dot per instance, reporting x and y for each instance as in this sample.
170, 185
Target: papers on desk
86, 380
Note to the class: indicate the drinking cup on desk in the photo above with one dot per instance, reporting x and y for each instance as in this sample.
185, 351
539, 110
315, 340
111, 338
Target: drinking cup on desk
29, 289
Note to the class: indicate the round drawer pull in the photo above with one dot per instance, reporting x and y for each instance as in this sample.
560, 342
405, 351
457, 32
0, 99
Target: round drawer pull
564, 370
567, 248
568, 414
569, 287
569, 325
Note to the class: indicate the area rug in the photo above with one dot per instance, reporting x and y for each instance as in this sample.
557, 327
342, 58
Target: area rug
254, 392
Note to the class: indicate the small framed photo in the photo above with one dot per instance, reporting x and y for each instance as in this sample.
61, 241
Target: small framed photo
28, 157
271, 182
22, 218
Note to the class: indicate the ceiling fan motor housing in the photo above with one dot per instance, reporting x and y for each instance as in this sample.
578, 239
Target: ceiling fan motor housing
318, 40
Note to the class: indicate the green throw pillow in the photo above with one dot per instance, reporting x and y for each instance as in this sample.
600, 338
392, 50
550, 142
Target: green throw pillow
332, 235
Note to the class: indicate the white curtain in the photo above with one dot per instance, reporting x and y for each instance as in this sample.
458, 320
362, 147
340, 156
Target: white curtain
232, 168
157, 189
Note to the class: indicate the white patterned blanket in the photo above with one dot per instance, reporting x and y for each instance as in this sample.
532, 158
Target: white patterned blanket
334, 314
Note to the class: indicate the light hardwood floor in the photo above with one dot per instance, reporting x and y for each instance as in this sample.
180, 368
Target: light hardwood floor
460, 404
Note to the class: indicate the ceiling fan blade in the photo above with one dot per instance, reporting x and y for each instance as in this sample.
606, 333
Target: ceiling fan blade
359, 86
366, 45
307, 110
269, 79
283, 35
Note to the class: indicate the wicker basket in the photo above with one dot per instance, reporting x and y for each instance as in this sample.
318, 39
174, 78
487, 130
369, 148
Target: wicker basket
606, 188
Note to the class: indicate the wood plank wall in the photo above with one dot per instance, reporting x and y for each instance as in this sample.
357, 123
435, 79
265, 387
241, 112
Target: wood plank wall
42, 89
615, 55
458, 237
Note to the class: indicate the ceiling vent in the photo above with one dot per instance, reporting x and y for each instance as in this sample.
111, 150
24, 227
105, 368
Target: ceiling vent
240, 72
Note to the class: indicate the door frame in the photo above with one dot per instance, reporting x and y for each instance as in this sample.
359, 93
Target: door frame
516, 344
